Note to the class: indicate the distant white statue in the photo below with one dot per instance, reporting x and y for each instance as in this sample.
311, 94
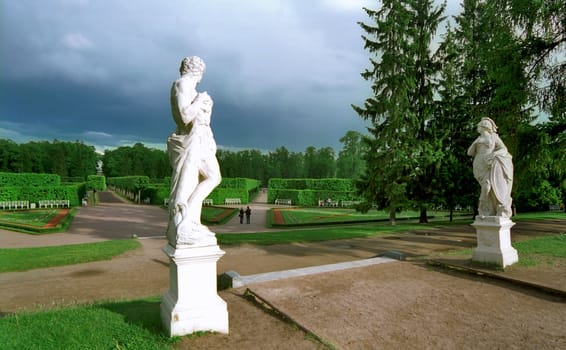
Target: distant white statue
192, 152
493, 168
99, 165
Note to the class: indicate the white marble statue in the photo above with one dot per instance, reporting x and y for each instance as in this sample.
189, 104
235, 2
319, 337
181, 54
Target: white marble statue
493, 168
192, 152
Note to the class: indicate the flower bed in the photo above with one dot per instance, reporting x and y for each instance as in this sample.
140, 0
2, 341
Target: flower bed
36, 221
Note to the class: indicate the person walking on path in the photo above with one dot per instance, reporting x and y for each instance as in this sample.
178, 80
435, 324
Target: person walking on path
241, 215
248, 214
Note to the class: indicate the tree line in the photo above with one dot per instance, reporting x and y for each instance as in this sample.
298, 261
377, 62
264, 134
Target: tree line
70, 160
76, 160
250, 163
502, 59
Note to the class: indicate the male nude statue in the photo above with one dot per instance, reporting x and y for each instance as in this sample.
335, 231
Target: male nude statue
192, 152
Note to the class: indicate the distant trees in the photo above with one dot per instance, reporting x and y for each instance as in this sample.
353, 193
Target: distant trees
350, 164
136, 160
281, 163
78, 160
66, 159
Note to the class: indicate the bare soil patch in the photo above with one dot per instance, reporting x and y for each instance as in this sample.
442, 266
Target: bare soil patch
405, 305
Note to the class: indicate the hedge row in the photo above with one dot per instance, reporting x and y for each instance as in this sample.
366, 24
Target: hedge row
239, 182
34, 194
333, 184
29, 179
156, 193
220, 194
242, 188
308, 192
129, 183
310, 197
96, 182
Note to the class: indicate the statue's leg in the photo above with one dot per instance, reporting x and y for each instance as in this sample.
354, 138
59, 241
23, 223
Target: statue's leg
187, 183
210, 172
484, 207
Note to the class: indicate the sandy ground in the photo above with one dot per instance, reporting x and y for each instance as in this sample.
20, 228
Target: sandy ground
394, 305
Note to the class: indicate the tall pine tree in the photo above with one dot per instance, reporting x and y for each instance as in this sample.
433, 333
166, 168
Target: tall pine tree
401, 148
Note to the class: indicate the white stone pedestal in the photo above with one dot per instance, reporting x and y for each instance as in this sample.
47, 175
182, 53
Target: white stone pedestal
494, 241
192, 303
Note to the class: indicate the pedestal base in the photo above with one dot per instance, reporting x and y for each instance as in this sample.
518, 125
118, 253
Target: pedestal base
494, 241
192, 304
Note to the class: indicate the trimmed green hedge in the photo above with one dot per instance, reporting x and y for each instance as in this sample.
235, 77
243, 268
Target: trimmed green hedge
34, 194
156, 193
29, 179
36, 187
129, 183
96, 182
332, 184
308, 192
241, 188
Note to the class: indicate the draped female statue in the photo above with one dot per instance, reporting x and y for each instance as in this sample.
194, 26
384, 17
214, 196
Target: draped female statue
493, 169
192, 152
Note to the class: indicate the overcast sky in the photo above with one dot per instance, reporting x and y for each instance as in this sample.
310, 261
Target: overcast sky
280, 72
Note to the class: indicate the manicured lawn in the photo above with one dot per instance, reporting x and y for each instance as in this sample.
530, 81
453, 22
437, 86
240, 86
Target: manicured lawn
320, 216
318, 234
542, 215
532, 252
217, 215
38, 217
542, 250
37, 221
132, 325
22, 259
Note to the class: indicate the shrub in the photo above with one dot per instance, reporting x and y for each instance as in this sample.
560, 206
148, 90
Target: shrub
96, 182
156, 193
242, 188
34, 194
29, 179
129, 183
307, 192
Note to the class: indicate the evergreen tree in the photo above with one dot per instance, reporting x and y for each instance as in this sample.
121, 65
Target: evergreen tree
425, 186
539, 28
401, 147
471, 33
456, 177
389, 143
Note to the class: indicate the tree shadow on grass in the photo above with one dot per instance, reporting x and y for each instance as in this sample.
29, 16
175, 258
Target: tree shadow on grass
144, 313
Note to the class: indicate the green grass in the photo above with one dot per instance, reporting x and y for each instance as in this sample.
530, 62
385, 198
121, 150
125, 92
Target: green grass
115, 325
541, 215
542, 250
217, 215
317, 234
313, 216
325, 216
39, 217
554, 246
22, 259
532, 252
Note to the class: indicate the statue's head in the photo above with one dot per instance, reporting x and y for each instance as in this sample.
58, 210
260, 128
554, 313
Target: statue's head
487, 124
193, 66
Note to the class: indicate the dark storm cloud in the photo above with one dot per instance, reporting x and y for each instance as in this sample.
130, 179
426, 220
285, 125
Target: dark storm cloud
281, 72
